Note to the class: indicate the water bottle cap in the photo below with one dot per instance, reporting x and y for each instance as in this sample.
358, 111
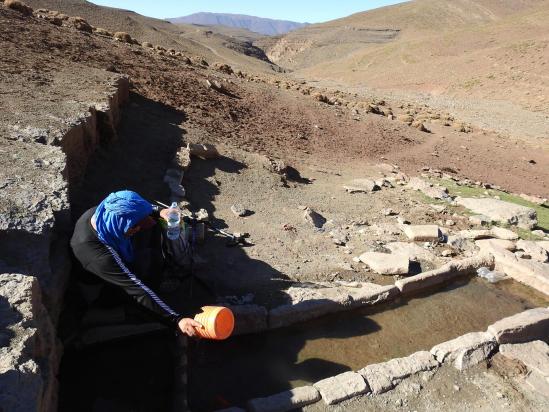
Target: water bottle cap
174, 205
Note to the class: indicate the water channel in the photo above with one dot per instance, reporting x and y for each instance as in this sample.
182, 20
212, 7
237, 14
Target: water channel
228, 373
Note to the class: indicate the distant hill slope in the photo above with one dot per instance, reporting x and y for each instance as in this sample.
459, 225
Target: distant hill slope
261, 25
493, 49
318, 43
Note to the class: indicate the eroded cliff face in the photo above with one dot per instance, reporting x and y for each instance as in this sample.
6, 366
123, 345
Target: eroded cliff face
45, 146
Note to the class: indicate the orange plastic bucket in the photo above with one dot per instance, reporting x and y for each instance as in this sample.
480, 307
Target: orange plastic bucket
218, 322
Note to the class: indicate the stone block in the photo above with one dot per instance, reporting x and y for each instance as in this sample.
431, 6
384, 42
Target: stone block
428, 189
504, 234
361, 186
530, 272
532, 324
310, 303
411, 250
422, 233
370, 294
533, 249
285, 401
382, 377
451, 270
341, 387
488, 245
449, 350
475, 234
385, 263
501, 211
204, 151
474, 355
249, 319
535, 355
544, 244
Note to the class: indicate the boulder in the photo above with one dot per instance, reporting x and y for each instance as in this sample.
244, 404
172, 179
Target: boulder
544, 244
361, 186
239, 210
203, 151
382, 377
427, 188
183, 158
475, 234
341, 387
385, 263
532, 324
501, 211
488, 245
102, 32
285, 401
222, 67
502, 233
422, 233
80, 24
411, 250
273, 165
535, 199
123, 37
534, 250
314, 218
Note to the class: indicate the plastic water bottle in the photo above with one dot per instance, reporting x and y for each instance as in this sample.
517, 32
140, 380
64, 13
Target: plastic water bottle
174, 218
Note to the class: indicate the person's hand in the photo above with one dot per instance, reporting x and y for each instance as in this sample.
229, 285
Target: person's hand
188, 326
164, 214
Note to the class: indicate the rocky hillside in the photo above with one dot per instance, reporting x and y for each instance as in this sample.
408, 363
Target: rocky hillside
484, 48
261, 25
219, 43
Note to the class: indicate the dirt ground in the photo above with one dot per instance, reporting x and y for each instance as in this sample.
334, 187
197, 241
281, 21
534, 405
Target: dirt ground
260, 118
478, 389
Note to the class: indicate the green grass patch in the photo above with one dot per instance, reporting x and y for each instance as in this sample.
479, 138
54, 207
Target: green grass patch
467, 191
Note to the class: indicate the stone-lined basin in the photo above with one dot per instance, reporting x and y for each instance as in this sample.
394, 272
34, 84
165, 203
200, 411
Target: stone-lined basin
250, 366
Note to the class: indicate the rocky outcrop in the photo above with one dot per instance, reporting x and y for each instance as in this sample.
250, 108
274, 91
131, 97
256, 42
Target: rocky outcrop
29, 354
44, 156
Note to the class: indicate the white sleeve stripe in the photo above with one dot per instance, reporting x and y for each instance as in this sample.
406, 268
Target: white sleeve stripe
139, 283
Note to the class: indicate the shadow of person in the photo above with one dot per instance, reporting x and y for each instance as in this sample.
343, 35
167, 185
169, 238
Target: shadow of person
231, 372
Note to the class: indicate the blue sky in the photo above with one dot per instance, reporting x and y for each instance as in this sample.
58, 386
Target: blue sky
296, 10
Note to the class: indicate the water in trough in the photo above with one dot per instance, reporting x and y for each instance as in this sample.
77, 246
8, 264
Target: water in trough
228, 373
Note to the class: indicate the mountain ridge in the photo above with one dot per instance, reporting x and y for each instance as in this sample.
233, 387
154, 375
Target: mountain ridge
269, 27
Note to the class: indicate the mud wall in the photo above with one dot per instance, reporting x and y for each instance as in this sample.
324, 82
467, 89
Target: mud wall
35, 226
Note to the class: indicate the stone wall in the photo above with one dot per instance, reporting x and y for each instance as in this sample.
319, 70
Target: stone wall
36, 177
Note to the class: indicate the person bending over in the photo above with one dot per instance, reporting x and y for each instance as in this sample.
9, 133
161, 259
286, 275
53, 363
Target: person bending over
102, 243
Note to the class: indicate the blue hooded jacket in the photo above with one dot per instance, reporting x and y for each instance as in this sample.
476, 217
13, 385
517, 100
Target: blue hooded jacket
116, 214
